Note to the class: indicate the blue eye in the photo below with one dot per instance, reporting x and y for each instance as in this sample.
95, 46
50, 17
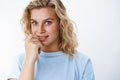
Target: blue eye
33, 23
48, 22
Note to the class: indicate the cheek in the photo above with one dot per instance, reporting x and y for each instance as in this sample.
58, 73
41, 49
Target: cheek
33, 30
54, 30
55, 33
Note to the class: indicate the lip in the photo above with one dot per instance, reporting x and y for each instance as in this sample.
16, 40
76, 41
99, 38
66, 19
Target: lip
43, 38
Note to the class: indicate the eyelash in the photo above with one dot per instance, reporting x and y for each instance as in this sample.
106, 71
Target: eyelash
48, 22
33, 23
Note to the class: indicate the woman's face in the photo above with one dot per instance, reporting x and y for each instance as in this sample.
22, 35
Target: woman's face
45, 24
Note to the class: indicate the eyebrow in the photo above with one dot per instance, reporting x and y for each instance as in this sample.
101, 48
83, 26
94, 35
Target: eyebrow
43, 20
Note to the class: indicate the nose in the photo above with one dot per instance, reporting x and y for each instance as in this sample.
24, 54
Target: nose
40, 29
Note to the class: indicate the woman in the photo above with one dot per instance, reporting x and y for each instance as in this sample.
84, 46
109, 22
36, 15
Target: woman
50, 46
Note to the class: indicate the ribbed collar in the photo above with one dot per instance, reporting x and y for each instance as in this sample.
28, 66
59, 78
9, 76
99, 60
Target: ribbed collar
51, 54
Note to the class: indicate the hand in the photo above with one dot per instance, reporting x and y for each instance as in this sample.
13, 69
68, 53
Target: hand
32, 47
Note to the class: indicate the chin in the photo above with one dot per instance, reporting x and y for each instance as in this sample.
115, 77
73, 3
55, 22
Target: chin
45, 44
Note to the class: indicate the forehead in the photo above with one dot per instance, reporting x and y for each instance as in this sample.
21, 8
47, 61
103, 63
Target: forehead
43, 13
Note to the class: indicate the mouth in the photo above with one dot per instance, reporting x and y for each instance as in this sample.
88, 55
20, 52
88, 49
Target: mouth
43, 38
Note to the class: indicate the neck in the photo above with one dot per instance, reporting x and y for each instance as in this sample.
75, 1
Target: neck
50, 49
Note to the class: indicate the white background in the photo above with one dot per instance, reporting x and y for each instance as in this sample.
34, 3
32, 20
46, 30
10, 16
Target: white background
98, 23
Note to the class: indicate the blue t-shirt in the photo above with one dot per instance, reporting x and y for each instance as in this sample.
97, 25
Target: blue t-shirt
57, 66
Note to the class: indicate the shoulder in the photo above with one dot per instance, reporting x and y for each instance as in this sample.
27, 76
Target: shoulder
84, 66
81, 57
19, 58
81, 61
16, 65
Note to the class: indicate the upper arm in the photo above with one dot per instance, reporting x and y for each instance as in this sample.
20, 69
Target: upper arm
13, 74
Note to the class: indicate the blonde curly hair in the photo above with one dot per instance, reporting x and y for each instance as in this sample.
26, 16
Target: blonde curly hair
68, 40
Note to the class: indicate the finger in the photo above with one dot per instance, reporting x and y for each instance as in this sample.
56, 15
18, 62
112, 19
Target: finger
38, 43
28, 37
34, 39
35, 36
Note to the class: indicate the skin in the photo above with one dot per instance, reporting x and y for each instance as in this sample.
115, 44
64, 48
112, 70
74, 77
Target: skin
45, 36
